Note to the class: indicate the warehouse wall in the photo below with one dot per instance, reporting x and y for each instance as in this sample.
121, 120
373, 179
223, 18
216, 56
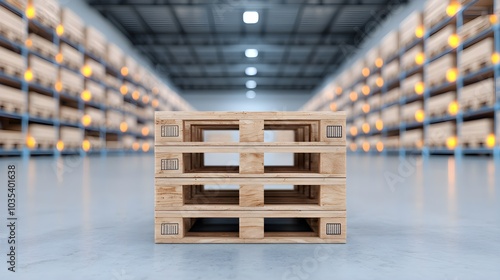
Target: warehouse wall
373, 37
237, 101
93, 18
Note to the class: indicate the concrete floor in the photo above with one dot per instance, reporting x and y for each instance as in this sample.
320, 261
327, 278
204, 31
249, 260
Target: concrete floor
92, 218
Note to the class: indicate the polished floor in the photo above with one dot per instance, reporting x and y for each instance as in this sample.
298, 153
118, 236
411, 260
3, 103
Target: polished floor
92, 218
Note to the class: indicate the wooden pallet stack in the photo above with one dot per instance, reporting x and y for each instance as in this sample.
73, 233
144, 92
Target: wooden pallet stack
188, 209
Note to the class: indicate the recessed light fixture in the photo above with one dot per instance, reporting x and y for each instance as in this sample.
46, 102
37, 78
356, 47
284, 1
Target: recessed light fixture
251, 94
251, 71
251, 53
250, 17
251, 84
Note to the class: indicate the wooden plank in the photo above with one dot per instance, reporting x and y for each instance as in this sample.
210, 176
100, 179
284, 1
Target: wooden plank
267, 147
251, 214
161, 115
237, 179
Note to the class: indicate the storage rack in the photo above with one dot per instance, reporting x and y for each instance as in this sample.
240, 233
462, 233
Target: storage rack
397, 137
104, 138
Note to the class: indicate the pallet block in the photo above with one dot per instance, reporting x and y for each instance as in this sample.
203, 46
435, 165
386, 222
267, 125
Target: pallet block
113, 119
41, 45
71, 82
439, 133
437, 70
408, 60
114, 99
391, 142
438, 105
409, 84
45, 135
72, 137
74, 28
474, 133
391, 96
408, 28
98, 92
20, 4
412, 139
438, 43
42, 106
95, 42
478, 95
375, 101
390, 72
185, 201
11, 63
390, 116
477, 56
71, 57
435, 12
409, 110
98, 117
12, 100
47, 12
390, 45
115, 56
98, 70
70, 114
474, 27
12, 26
44, 73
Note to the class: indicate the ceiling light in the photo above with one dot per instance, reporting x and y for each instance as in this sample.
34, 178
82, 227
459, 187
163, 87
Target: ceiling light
251, 71
251, 94
250, 17
251, 84
251, 53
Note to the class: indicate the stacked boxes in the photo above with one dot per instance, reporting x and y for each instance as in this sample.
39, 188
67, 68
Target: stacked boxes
189, 209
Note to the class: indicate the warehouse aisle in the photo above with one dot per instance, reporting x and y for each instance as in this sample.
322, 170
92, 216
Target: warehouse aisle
92, 218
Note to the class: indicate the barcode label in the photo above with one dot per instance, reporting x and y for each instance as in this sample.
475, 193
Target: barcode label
169, 131
333, 229
170, 229
170, 164
334, 131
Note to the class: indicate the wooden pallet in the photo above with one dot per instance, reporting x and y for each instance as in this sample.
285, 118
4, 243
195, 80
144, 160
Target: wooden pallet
12, 100
44, 72
73, 26
11, 140
409, 110
12, 26
98, 92
11, 63
412, 139
114, 99
439, 133
390, 72
185, 200
474, 133
72, 137
437, 70
390, 116
70, 114
408, 84
47, 12
113, 119
114, 145
408, 28
98, 117
42, 106
45, 135
98, 70
434, 12
438, 105
438, 43
95, 42
72, 83
391, 96
42, 46
390, 45
113, 81
408, 60
474, 27
478, 95
477, 56
72, 58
